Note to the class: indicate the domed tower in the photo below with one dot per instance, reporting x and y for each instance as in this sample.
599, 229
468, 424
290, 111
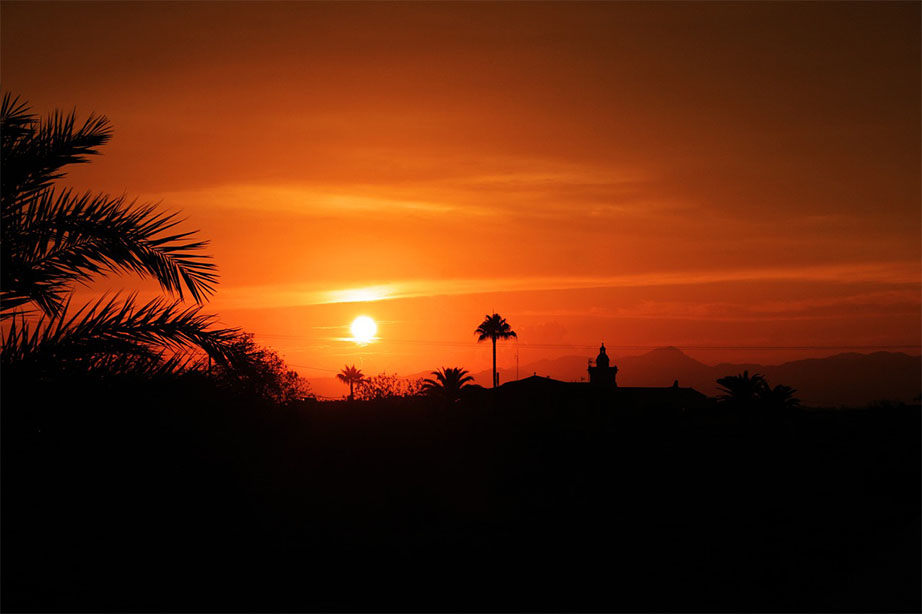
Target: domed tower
603, 373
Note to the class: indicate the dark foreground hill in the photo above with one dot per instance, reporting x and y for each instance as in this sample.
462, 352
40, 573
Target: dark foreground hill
134, 496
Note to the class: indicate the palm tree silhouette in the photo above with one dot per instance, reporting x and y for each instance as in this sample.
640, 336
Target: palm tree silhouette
352, 376
448, 383
780, 397
51, 240
494, 327
742, 389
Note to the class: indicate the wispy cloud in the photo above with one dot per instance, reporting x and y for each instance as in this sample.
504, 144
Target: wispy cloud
253, 297
868, 304
309, 200
540, 188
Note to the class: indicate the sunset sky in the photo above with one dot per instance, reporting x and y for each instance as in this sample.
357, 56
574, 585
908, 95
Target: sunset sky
736, 179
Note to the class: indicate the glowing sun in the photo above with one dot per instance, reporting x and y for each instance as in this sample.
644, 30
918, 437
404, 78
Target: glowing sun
364, 329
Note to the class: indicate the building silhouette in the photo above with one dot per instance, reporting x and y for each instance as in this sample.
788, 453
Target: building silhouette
603, 373
539, 392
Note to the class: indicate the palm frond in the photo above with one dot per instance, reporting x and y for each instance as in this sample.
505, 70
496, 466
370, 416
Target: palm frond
35, 151
110, 331
60, 239
16, 118
51, 240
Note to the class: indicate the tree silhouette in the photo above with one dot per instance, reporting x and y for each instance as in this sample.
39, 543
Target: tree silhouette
352, 376
448, 383
755, 392
263, 374
741, 389
386, 386
494, 327
51, 240
780, 397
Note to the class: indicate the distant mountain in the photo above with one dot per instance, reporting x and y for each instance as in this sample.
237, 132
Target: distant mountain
851, 378
661, 367
844, 379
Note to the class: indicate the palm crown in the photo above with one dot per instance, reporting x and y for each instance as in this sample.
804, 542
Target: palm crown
448, 382
494, 327
754, 391
741, 388
350, 375
780, 397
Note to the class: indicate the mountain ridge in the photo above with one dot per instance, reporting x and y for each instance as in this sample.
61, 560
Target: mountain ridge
847, 378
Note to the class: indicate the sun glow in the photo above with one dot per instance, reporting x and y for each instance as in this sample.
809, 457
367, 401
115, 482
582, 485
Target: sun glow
364, 329
358, 295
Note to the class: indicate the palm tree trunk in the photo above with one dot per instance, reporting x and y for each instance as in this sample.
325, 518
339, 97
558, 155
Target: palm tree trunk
494, 362
351, 395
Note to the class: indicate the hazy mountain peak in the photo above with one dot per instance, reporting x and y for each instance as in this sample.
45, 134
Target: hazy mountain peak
668, 355
667, 349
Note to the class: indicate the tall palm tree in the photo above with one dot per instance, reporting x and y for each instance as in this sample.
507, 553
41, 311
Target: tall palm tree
51, 240
494, 327
448, 383
742, 389
352, 376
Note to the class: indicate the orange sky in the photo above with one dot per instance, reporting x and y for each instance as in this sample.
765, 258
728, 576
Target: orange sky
700, 175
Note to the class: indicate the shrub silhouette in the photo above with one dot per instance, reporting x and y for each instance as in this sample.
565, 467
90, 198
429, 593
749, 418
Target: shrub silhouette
385, 386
